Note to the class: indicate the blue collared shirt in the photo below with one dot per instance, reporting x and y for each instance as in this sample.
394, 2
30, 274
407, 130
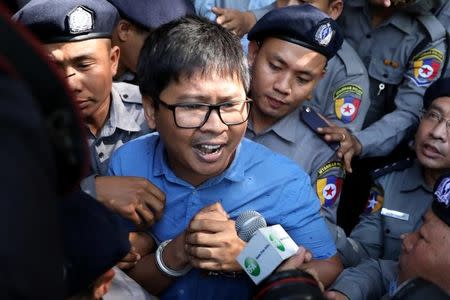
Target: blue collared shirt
257, 179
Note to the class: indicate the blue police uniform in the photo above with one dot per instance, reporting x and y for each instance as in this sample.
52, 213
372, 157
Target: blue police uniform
126, 122
293, 138
342, 95
306, 26
72, 21
376, 277
397, 201
285, 197
399, 73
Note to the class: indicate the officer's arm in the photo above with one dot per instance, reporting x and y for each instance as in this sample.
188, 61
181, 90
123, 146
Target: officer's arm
347, 101
328, 183
369, 280
384, 135
326, 269
366, 239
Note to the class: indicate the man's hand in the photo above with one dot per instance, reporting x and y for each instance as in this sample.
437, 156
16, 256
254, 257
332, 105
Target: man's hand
349, 144
296, 262
142, 243
238, 22
211, 240
334, 295
134, 198
130, 260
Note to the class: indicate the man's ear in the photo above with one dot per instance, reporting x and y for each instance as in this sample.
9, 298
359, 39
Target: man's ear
253, 49
114, 56
149, 111
102, 284
335, 9
123, 30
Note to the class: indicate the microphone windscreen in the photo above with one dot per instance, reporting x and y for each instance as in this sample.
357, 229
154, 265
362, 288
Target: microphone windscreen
247, 223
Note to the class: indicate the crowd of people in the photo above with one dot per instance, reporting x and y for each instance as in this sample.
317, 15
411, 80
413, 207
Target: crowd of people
330, 118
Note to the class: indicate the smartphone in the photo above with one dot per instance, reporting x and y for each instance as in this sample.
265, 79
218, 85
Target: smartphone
314, 121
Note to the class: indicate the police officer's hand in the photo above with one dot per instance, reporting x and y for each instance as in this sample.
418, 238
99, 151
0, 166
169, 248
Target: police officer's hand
238, 22
142, 242
296, 262
211, 240
134, 198
349, 144
334, 295
130, 260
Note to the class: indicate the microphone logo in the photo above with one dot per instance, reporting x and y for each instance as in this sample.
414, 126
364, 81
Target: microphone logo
276, 242
252, 266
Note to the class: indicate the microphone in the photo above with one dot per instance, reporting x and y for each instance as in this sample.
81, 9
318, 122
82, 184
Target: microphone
267, 247
247, 223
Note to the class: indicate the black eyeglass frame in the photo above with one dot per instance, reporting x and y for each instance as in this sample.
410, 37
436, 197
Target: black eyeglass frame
211, 107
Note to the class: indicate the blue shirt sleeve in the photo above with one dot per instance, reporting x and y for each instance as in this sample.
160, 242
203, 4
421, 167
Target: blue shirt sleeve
304, 224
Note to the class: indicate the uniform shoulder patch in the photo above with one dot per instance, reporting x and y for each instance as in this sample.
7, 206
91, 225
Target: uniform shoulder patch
396, 166
375, 201
347, 100
426, 66
329, 183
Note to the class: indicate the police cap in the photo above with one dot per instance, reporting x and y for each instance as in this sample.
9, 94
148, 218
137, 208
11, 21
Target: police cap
439, 88
94, 241
441, 201
152, 13
304, 25
56, 21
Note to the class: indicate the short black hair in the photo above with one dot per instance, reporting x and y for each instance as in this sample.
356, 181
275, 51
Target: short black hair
185, 47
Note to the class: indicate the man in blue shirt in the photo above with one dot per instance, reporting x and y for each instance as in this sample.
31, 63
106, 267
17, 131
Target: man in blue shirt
193, 76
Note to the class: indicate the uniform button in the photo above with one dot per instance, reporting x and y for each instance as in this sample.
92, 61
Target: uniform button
125, 96
387, 231
98, 143
368, 36
101, 154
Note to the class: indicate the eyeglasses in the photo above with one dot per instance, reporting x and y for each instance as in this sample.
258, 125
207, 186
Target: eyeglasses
436, 118
195, 115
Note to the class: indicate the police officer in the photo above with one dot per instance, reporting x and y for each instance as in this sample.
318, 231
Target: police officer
138, 18
403, 53
77, 36
400, 195
238, 16
424, 255
289, 48
342, 95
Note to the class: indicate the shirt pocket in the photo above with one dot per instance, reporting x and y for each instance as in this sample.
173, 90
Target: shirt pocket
393, 229
386, 73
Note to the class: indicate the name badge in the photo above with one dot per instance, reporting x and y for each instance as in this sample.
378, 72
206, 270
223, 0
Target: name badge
395, 214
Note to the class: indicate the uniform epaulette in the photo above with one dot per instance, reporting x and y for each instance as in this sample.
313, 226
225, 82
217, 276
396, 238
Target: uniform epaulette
128, 92
434, 28
396, 166
346, 55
